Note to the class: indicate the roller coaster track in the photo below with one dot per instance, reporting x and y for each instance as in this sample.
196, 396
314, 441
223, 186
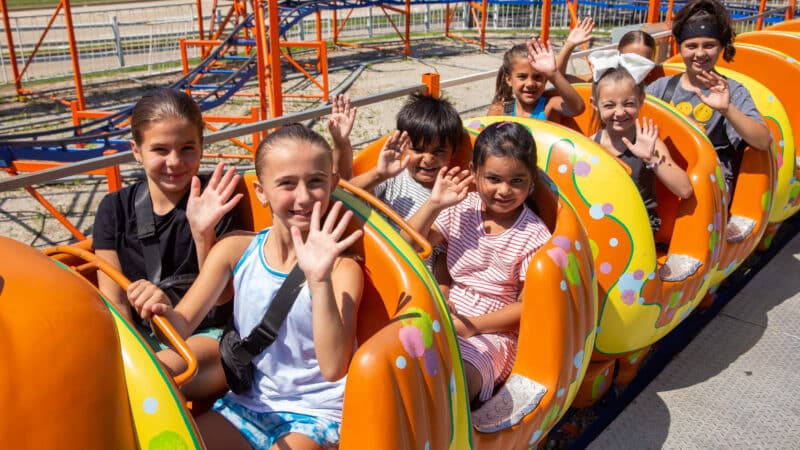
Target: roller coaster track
91, 139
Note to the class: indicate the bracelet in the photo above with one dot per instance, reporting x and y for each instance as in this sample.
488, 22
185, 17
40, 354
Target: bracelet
658, 162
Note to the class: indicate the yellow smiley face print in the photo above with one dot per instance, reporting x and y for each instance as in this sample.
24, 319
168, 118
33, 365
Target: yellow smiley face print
702, 112
684, 108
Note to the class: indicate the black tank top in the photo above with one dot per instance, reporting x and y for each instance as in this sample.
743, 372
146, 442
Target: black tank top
645, 180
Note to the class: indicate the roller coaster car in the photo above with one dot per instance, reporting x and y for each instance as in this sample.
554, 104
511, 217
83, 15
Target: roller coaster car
63, 381
75, 373
787, 25
555, 339
754, 194
401, 388
608, 202
783, 41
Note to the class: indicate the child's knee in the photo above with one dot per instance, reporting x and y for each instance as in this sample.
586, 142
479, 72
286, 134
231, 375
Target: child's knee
296, 441
474, 380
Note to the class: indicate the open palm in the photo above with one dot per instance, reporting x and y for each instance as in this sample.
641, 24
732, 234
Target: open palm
204, 210
451, 186
541, 57
390, 160
323, 244
719, 92
646, 138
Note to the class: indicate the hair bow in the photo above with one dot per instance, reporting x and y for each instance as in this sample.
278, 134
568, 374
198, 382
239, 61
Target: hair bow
605, 60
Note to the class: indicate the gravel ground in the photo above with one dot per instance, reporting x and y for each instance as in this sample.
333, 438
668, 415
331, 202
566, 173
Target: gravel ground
24, 219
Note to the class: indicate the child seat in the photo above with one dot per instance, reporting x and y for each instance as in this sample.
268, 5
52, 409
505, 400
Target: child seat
556, 330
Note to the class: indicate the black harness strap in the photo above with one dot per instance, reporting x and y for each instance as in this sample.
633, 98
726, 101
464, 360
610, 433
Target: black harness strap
146, 232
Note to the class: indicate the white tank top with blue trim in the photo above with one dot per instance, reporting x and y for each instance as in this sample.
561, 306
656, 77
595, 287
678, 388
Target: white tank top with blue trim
287, 375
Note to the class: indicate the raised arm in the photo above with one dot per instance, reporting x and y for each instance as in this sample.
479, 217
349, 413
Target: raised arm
390, 162
542, 59
650, 149
755, 133
148, 299
335, 284
205, 209
340, 124
450, 188
579, 35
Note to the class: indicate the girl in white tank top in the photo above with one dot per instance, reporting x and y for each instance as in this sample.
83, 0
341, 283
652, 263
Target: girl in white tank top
297, 395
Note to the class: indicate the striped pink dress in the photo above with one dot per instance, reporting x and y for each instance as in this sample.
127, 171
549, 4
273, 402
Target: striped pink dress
487, 272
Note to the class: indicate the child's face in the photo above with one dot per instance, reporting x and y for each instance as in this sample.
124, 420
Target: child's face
503, 184
526, 84
700, 53
618, 104
296, 175
425, 163
170, 152
638, 48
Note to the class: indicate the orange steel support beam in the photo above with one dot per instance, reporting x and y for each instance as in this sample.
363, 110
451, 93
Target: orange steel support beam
73, 52
261, 58
761, 7
670, 7
13, 171
407, 48
546, 14
113, 175
790, 10
653, 11
199, 4
275, 76
12, 55
484, 8
572, 6
41, 39
322, 51
318, 23
472, 8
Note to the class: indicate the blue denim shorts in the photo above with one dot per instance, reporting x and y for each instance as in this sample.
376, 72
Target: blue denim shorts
262, 429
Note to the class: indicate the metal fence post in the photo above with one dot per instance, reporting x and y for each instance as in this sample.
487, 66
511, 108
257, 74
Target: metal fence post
302, 30
369, 22
117, 41
427, 17
3, 67
21, 48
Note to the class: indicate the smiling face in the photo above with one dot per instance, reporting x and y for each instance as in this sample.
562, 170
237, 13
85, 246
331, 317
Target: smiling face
503, 184
295, 175
526, 84
618, 103
426, 161
699, 54
170, 152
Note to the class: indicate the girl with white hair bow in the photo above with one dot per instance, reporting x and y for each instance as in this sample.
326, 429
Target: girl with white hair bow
617, 97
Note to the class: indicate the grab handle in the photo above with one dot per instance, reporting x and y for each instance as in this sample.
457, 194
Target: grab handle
163, 325
422, 243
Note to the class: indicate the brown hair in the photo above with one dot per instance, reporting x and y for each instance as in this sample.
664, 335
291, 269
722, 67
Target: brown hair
506, 140
291, 132
711, 12
162, 104
615, 76
502, 91
637, 37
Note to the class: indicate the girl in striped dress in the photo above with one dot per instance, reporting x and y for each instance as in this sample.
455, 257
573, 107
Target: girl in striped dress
491, 236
